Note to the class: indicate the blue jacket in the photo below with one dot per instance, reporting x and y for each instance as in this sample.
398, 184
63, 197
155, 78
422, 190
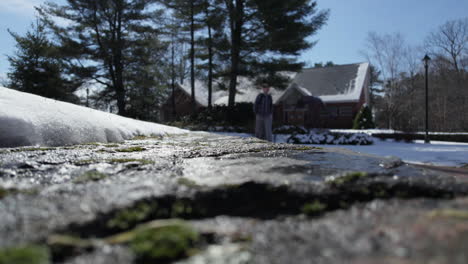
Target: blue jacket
263, 105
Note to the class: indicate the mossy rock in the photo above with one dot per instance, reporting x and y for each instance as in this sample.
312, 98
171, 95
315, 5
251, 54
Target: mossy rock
127, 218
450, 214
25, 255
313, 208
141, 161
32, 149
3, 192
347, 178
89, 176
131, 149
187, 182
165, 243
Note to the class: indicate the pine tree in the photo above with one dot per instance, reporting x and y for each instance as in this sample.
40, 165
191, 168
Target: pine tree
100, 37
267, 36
364, 119
37, 67
213, 21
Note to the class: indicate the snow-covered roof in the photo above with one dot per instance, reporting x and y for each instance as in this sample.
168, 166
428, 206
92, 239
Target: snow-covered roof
201, 91
341, 83
247, 91
28, 119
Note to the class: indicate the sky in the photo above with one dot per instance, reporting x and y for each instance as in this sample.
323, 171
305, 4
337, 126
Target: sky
340, 41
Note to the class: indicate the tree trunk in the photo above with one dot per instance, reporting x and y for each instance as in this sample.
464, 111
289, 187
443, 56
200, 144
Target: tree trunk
210, 67
119, 85
192, 54
236, 23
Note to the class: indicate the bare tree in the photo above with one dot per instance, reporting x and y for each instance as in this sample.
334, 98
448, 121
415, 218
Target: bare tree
450, 41
388, 53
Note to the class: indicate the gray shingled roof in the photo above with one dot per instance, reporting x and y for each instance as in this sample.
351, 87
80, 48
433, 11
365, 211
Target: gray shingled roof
332, 84
328, 80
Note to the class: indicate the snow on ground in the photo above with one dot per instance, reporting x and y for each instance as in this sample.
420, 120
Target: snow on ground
437, 153
27, 119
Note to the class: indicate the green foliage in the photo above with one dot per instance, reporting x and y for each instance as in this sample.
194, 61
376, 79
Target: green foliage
364, 119
25, 255
37, 66
88, 176
165, 243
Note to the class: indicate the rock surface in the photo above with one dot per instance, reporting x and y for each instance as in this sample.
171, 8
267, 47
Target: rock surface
250, 200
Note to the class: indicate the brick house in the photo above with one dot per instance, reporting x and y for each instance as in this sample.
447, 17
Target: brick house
328, 97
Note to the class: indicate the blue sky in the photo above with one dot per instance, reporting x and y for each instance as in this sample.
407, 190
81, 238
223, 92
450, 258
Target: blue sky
340, 41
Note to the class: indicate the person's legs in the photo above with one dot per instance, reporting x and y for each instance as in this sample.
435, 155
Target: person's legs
259, 127
267, 128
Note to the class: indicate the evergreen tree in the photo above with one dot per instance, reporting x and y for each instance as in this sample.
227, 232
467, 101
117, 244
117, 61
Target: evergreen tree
100, 37
37, 67
213, 20
188, 11
364, 119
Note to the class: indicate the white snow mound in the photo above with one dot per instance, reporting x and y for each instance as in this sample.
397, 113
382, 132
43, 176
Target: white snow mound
27, 119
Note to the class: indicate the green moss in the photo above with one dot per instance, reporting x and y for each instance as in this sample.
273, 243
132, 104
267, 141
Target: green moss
11, 191
305, 148
141, 137
131, 149
164, 243
31, 149
127, 218
187, 182
450, 213
25, 255
348, 178
88, 176
85, 162
3, 192
112, 145
91, 144
313, 208
142, 161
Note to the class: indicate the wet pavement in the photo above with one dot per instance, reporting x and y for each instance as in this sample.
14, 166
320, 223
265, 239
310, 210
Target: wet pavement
250, 200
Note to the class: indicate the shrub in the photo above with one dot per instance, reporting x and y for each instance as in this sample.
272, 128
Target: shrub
364, 119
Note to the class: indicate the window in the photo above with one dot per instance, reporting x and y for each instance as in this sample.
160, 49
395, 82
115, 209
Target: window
346, 111
332, 111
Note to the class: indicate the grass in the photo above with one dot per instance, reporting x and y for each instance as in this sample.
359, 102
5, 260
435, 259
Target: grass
89, 176
25, 255
131, 149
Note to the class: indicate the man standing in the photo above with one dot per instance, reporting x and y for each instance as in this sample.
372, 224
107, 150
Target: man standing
263, 109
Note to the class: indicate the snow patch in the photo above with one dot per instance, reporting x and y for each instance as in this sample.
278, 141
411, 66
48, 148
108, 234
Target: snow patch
27, 119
